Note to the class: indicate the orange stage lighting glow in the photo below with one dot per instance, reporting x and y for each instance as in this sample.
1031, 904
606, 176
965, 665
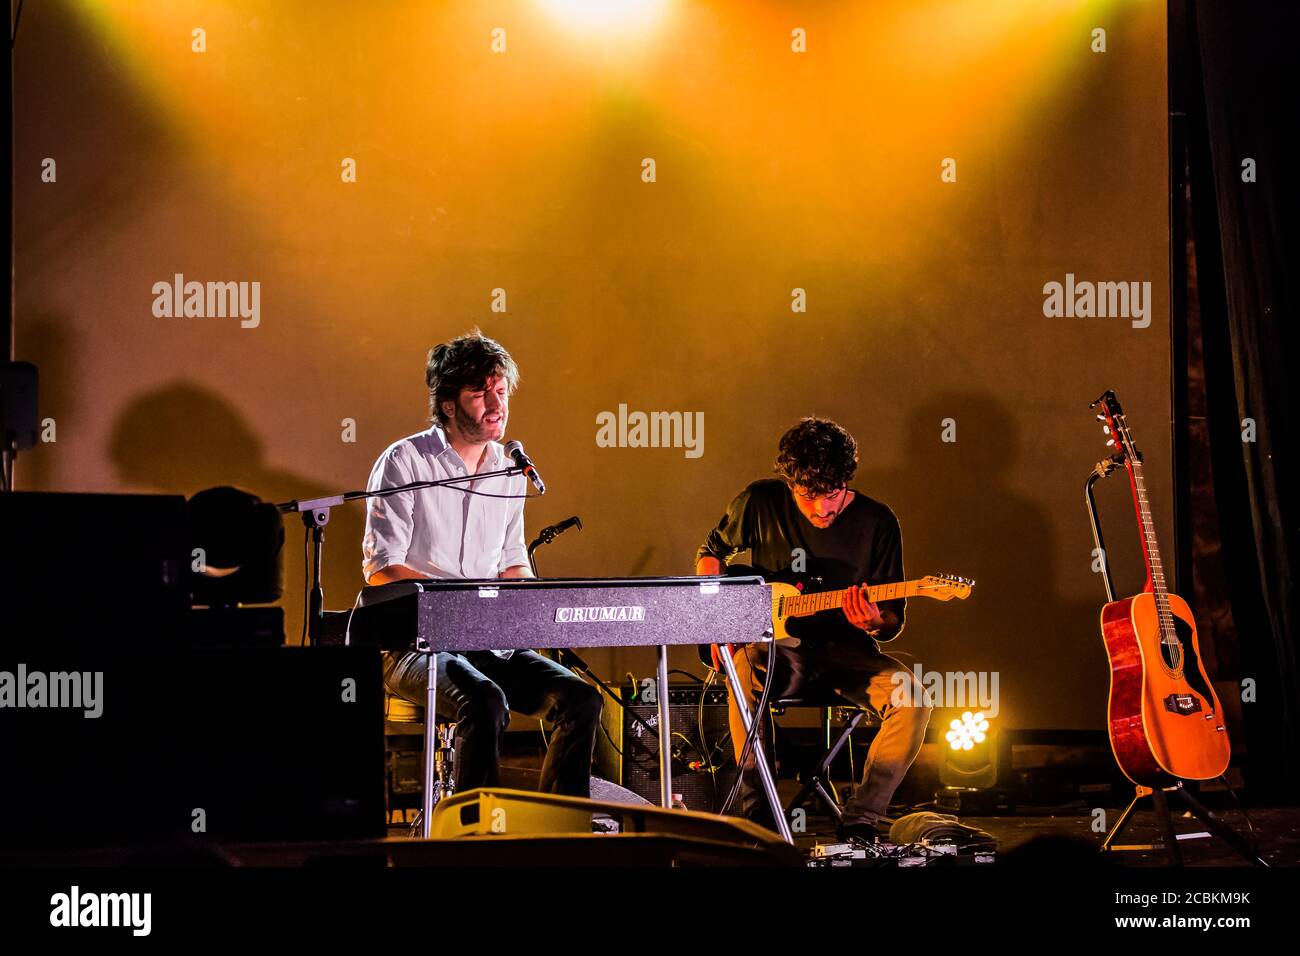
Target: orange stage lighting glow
606, 16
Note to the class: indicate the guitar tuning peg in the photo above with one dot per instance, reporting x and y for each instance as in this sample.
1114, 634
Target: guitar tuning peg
1105, 429
1101, 418
1111, 442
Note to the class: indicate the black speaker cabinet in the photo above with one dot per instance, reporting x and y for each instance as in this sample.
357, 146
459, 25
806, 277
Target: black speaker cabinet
195, 746
92, 570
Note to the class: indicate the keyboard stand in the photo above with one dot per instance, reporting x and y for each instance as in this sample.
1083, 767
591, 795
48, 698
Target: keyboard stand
665, 740
760, 756
665, 743
430, 736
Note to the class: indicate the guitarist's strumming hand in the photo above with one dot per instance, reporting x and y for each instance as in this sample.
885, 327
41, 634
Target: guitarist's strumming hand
865, 614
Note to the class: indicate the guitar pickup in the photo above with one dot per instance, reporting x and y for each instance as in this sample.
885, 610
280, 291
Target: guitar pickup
1182, 704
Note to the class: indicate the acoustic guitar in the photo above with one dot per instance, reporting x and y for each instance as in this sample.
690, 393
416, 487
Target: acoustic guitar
1164, 718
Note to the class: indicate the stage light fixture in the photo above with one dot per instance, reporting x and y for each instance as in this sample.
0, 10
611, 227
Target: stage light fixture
970, 730
969, 772
238, 540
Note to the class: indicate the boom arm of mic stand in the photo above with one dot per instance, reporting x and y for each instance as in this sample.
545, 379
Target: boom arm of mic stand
316, 515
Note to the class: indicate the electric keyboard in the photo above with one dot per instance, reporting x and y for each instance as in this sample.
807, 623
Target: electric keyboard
455, 614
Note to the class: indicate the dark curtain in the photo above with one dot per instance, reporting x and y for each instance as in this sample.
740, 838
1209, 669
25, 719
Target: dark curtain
1233, 86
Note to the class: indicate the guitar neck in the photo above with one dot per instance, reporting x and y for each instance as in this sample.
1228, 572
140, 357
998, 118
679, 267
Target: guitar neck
1121, 438
802, 605
1150, 549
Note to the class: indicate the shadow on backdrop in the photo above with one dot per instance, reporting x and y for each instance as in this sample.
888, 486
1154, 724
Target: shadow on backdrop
962, 513
183, 437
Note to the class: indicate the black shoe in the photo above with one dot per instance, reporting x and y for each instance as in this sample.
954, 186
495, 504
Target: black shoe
861, 831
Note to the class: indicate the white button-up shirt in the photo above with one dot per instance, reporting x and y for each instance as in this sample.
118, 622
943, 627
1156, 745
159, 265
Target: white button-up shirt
443, 532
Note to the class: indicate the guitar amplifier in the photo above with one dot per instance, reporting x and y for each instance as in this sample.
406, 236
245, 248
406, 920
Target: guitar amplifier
704, 764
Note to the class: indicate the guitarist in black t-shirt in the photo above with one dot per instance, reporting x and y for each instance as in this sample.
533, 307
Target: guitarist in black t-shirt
809, 524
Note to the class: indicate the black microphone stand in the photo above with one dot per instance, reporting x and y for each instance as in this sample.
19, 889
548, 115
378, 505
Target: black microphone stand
316, 515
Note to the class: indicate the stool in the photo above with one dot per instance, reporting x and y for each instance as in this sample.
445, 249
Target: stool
404, 719
819, 781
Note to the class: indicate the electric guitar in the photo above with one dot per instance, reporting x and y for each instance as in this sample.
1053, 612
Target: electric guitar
794, 596
1165, 720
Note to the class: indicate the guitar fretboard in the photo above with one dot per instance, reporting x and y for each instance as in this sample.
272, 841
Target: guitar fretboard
800, 605
1157, 571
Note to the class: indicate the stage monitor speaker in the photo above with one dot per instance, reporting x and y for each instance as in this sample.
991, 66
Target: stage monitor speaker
704, 765
520, 814
485, 810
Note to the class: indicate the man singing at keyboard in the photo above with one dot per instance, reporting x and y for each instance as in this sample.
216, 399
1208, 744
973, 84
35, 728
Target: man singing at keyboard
451, 532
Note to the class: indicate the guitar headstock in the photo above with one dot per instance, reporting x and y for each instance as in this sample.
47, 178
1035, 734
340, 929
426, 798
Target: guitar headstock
1114, 425
945, 587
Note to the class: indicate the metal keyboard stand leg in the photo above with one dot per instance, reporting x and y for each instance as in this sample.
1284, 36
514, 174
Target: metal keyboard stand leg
665, 732
760, 757
430, 740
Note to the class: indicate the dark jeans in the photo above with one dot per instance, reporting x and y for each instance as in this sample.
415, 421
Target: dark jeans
863, 677
478, 690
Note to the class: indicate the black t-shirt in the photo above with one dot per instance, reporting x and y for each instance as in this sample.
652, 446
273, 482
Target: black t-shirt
862, 545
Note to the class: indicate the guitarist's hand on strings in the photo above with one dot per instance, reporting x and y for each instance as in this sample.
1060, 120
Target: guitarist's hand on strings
862, 613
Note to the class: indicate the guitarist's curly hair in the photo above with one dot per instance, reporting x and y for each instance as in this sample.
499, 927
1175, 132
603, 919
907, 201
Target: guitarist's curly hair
817, 454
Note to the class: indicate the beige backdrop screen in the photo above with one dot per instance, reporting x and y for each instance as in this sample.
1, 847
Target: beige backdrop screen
744, 212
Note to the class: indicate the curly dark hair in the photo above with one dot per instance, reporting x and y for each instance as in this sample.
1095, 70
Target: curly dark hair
467, 361
818, 455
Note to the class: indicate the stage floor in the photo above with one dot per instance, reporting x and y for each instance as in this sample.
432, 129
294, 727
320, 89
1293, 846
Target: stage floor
1063, 836
1069, 833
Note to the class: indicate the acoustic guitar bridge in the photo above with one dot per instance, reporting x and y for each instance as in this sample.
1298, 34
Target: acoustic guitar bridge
1182, 704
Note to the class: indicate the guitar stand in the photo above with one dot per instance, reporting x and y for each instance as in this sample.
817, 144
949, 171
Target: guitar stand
1165, 821
1157, 794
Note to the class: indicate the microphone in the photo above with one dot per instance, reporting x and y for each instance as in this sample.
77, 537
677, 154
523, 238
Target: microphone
565, 525
515, 450
549, 533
